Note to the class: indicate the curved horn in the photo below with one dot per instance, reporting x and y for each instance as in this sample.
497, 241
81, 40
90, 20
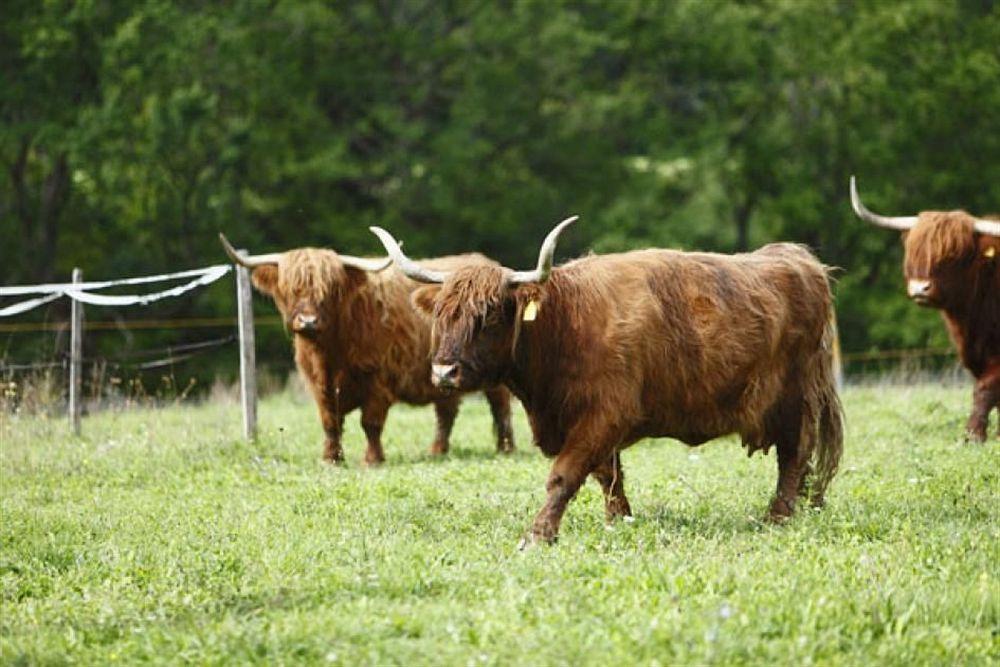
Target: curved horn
898, 223
541, 272
249, 261
370, 265
405, 264
991, 227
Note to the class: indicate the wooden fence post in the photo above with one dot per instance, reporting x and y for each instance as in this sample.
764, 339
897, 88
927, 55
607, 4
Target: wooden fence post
248, 358
76, 358
838, 358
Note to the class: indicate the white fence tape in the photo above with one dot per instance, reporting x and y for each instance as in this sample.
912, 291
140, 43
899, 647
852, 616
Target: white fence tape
81, 291
24, 306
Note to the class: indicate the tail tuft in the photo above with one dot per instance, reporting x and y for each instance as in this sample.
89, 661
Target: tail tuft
830, 442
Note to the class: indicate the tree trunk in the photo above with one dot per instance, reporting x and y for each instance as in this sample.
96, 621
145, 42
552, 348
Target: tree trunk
39, 224
55, 194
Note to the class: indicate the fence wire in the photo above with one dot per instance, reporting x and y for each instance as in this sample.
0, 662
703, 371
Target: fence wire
174, 354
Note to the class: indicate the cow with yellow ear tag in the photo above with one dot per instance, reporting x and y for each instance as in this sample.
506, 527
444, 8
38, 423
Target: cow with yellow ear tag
604, 351
951, 264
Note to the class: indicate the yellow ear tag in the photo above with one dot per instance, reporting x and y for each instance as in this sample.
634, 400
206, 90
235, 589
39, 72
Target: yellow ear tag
530, 311
990, 252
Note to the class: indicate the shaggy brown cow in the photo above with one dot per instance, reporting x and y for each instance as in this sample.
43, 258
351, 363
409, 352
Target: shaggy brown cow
606, 350
953, 264
359, 343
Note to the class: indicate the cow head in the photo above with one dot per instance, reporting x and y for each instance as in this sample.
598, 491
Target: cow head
308, 285
477, 312
941, 248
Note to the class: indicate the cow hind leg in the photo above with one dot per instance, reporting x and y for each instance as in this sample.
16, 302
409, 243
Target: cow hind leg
792, 467
609, 475
446, 410
793, 461
499, 400
807, 473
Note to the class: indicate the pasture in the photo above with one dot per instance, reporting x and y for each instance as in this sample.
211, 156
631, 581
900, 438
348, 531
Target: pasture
160, 536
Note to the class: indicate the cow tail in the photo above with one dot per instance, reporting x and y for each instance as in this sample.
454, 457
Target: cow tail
830, 436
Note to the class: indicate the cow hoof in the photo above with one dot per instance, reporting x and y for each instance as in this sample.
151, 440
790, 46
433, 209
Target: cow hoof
975, 436
617, 508
333, 456
611, 522
781, 510
374, 461
529, 542
505, 447
437, 449
533, 539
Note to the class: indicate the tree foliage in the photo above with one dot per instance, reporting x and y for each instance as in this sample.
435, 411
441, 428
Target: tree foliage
133, 132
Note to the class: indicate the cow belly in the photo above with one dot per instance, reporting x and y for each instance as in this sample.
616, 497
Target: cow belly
736, 407
689, 436
418, 394
693, 439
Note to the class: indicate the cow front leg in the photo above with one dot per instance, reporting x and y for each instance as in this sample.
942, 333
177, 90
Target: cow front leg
985, 397
333, 423
568, 473
324, 385
609, 475
499, 400
373, 414
445, 409
333, 428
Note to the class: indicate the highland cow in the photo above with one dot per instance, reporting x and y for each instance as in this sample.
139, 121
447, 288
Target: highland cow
952, 263
360, 344
606, 350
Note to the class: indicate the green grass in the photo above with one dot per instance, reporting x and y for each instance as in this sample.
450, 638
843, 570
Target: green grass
160, 536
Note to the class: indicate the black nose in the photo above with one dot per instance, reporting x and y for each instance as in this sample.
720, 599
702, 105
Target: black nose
445, 375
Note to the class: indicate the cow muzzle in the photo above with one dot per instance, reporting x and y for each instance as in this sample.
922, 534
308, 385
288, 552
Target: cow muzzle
445, 376
919, 291
306, 323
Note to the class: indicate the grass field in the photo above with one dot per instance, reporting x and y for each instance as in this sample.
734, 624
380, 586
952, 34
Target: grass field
161, 537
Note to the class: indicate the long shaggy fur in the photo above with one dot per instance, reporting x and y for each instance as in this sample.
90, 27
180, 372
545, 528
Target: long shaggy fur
663, 343
939, 238
964, 268
314, 272
373, 347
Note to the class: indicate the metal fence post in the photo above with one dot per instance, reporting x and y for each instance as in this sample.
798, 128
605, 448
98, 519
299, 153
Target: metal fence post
248, 359
76, 358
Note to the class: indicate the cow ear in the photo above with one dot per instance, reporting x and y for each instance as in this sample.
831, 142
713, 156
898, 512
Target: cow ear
356, 278
265, 278
422, 298
527, 293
